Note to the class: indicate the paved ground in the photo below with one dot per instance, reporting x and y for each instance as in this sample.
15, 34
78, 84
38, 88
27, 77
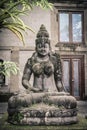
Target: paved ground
82, 108
3, 108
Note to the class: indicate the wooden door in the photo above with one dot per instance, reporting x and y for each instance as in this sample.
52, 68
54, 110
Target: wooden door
73, 75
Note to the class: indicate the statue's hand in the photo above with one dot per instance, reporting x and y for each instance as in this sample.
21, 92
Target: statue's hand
37, 89
33, 89
60, 86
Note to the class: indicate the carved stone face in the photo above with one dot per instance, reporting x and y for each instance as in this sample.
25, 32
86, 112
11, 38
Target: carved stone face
43, 49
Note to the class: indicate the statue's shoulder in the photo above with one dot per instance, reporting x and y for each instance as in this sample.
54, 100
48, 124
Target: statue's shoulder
55, 56
32, 58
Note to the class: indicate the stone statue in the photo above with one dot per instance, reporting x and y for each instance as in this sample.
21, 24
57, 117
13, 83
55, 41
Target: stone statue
45, 66
45, 102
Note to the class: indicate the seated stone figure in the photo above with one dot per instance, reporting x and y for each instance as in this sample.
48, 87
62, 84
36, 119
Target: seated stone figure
45, 102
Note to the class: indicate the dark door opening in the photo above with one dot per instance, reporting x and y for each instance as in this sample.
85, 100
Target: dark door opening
73, 75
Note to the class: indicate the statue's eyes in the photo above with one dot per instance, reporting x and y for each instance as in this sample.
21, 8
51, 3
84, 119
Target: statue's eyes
45, 45
40, 45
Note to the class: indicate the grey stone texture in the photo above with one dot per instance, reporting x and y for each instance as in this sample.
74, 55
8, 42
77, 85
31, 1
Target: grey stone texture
46, 102
44, 114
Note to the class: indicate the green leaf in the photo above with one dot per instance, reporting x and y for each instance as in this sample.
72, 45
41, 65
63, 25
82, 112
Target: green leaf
17, 32
9, 67
2, 2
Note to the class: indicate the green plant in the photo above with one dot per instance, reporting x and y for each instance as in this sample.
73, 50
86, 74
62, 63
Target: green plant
8, 67
16, 117
10, 11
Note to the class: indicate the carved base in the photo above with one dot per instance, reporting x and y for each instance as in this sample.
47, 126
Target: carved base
49, 120
43, 114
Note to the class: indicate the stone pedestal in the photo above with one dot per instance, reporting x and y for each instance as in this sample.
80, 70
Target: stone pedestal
44, 112
48, 115
45, 102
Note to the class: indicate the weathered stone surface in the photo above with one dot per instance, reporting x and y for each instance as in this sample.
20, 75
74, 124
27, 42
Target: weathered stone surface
42, 110
26, 100
45, 102
48, 120
61, 120
51, 113
43, 114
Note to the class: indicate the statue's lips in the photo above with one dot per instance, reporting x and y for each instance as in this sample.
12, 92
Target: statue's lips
42, 51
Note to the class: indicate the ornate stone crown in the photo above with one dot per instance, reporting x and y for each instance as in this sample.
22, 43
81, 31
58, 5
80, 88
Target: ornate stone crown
42, 32
42, 36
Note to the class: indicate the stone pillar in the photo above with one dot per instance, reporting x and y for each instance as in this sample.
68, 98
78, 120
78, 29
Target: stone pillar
86, 75
54, 27
14, 79
85, 30
85, 26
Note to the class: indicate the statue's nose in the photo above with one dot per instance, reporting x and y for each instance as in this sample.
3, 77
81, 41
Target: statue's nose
42, 49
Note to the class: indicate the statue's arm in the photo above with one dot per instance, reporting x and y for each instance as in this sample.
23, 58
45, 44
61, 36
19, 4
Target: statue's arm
58, 73
26, 75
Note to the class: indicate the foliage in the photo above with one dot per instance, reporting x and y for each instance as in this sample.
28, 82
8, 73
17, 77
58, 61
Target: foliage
16, 118
10, 10
8, 67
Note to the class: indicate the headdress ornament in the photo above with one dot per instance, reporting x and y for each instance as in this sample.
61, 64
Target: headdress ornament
42, 32
42, 36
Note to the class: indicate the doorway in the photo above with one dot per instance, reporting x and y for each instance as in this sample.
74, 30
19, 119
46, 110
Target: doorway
73, 75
